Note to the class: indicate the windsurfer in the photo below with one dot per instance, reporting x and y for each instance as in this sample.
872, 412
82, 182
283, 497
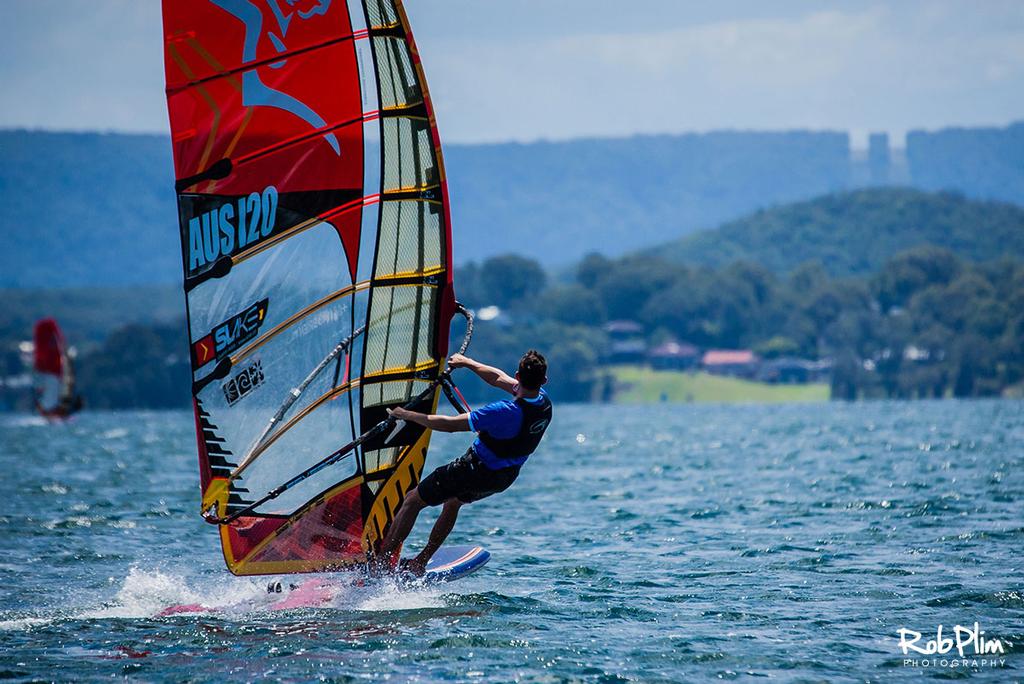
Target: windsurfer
67, 405
68, 401
508, 431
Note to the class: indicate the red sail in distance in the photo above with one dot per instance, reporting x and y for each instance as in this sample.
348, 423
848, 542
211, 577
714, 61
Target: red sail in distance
49, 347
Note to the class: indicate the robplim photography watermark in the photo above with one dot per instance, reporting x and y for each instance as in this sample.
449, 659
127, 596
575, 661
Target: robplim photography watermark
967, 647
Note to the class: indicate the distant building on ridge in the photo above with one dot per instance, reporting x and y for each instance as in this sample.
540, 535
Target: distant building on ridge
879, 159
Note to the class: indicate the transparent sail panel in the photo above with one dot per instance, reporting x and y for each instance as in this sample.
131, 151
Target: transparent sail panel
244, 402
390, 393
356, 16
367, 76
398, 86
408, 154
48, 388
371, 187
400, 330
410, 238
312, 439
382, 13
265, 291
380, 459
361, 302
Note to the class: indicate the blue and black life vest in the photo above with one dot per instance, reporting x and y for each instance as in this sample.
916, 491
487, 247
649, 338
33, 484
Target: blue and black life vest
514, 451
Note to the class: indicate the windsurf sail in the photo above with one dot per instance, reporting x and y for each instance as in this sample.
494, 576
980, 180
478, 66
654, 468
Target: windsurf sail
55, 393
316, 250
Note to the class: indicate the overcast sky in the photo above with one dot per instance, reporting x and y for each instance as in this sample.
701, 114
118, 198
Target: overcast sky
556, 69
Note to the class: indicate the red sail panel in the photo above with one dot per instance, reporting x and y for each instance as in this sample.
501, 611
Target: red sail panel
49, 347
249, 102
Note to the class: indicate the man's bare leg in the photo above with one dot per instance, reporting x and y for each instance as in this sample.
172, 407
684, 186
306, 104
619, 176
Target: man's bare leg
442, 528
402, 524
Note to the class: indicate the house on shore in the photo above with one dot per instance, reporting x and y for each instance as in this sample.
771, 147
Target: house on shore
675, 356
737, 363
627, 343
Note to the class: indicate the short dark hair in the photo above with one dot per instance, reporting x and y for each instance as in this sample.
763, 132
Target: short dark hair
533, 370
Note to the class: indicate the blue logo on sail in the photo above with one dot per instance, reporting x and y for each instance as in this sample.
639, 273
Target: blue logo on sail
255, 93
231, 227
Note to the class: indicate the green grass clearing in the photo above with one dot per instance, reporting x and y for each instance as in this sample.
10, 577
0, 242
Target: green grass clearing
642, 385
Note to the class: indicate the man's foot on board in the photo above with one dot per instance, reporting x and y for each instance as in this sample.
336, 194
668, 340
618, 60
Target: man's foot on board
379, 564
412, 566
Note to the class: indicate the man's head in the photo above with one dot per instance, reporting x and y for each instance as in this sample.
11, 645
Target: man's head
533, 370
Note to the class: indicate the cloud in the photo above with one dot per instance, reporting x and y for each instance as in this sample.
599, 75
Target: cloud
872, 67
73, 64
537, 69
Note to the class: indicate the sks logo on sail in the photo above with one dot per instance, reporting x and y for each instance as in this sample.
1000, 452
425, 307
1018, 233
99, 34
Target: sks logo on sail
243, 382
229, 335
231, 227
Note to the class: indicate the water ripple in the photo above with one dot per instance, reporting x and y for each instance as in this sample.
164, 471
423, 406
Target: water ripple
650, 544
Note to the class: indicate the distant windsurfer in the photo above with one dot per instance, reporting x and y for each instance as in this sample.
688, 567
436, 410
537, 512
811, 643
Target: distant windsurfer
508, 431
69, 402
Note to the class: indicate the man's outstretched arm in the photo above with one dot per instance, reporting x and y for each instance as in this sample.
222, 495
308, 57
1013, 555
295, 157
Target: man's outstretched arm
458, 423
495, 377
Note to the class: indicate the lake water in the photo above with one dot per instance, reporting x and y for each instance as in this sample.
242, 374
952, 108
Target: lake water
652, 544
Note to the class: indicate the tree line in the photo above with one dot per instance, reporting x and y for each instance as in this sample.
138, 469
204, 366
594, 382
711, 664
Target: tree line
927, 324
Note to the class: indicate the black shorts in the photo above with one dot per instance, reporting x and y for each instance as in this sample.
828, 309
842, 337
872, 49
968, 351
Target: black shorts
466, 479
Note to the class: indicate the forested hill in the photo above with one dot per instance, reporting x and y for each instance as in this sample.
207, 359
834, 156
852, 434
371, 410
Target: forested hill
86, 209
98, 209
89, 209
856, 232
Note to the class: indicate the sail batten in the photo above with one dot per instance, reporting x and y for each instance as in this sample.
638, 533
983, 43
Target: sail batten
316, 257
